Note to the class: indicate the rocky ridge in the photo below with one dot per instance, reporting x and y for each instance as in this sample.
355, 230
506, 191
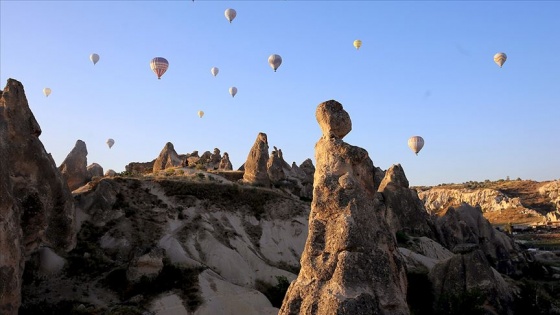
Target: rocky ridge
191, 241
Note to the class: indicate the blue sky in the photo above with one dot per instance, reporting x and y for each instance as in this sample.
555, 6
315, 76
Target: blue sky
425, 68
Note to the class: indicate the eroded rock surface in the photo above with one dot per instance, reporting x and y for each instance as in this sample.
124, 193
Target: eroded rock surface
256, 165
167, 158
36, 206
350, 264
74, 167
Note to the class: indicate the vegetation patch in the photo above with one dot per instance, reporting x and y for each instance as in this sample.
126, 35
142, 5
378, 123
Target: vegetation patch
183, 281
226, 196
274, 293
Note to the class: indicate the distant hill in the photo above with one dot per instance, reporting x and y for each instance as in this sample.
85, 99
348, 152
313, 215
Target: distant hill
502, 201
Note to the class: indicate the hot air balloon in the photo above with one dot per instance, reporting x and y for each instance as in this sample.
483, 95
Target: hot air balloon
274, 61
47, 92
214, 71
230, 14
159, 65
357, 44
200, 113
110, 142
94, 58
500, 58
415, 144
233, 91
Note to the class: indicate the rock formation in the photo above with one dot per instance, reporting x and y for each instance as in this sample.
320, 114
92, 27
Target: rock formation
466, 224
437, 199
275, 167
167, 158
350, 264
94, 170
225, 164
255, 166
215, 160
74, 167
191, 159
404, 210
36, 206
140, 167
469, 276
110, 173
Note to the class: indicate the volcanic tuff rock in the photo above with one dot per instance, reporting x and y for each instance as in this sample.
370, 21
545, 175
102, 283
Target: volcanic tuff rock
255, 166
404, 211
552, 191
168, 157
275, 167
436, 199
350, 264
140, 167
74, 168
470, 275
466, 224
36, 207
94, 170
225, 164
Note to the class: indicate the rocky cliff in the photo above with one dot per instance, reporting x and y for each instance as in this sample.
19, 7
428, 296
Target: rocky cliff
350, 264
518, 201
36, 207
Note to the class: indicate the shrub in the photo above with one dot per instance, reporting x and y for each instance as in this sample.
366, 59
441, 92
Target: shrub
274, 293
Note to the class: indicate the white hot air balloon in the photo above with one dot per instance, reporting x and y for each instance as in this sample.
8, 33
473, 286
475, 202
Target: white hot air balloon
416, 144
233, 91
200, 113
110, 142
214, 71
500, 58
47, 92
230, 14
274, 61
94, 58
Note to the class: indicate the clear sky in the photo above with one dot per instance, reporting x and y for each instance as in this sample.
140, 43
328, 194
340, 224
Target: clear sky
425, 68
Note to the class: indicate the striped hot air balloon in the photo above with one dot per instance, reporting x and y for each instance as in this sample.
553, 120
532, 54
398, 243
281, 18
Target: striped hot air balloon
159, 65
415, 144
500, 58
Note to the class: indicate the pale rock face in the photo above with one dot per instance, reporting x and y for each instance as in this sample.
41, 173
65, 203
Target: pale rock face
552, 191
225, 164
255, 166
350, 264
225, 298
167, 158
436, 199
94, 170
74, 168
148, 265
36, 206
333, 120
110, 173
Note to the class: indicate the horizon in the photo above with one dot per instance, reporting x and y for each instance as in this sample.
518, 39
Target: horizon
423, 69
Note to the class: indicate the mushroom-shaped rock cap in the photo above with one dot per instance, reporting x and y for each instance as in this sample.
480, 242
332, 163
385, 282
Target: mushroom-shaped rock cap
333, 119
